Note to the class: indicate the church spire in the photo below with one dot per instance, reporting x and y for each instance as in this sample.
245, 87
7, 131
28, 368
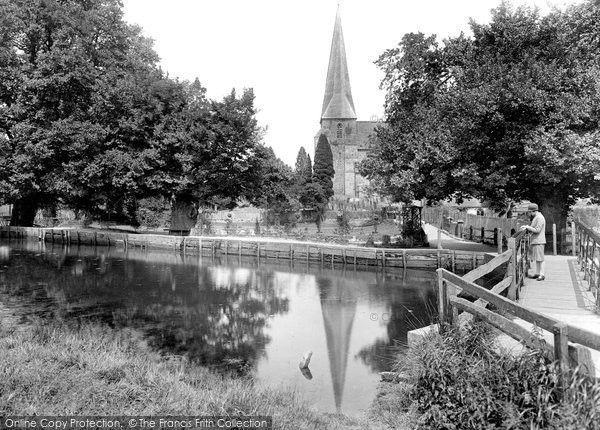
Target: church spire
338, 103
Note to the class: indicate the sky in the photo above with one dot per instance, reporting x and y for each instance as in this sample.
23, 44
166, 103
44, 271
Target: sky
281, 49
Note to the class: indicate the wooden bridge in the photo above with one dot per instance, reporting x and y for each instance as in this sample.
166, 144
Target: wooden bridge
565, 306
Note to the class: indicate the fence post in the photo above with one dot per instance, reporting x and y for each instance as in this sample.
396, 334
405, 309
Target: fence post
459, 228
482, 234
513, 270
499, 239
442, 296
573, 238
554, 238
470, 232
439, 239
561, 354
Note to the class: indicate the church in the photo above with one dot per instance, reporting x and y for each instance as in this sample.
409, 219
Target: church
348, 138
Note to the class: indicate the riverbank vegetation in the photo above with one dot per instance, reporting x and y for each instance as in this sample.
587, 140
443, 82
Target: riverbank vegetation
460, 380
90, 369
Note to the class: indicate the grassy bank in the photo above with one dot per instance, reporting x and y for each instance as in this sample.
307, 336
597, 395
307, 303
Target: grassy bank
461, 380
90, 369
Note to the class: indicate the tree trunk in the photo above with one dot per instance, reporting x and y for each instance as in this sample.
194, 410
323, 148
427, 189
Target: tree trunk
555, 210
24, 211
183, 218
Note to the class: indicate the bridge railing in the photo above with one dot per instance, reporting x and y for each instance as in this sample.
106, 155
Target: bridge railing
486, 229
450, 286
587, 243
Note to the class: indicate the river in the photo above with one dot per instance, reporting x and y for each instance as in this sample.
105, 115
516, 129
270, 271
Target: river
244, 316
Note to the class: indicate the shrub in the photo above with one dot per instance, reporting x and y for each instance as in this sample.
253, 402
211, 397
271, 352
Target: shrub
153, 212
461, 381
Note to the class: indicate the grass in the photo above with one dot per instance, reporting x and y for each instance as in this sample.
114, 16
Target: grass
461, 380
89, 369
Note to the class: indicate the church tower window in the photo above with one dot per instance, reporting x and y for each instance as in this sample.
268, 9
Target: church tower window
339, 130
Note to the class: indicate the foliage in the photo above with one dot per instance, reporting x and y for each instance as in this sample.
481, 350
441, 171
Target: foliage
323, 167
89, 120
153, 212
460, 381
510, 113
314, 197
343, 223
303, 168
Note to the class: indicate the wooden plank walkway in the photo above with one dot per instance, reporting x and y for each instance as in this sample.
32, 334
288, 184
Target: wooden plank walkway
563, 295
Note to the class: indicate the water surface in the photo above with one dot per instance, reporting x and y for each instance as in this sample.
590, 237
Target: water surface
241, 315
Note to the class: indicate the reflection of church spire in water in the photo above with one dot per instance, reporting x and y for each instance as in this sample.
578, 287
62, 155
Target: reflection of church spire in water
338, 306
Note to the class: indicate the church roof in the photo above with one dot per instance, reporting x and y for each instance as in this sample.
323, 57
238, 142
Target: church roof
338, 103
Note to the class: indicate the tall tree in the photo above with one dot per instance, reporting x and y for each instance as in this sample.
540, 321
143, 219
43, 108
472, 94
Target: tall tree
511, 113
323, 168
61, 64
303, 167
88, 119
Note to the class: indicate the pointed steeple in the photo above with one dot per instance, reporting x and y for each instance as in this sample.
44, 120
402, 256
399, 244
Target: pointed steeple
338, 103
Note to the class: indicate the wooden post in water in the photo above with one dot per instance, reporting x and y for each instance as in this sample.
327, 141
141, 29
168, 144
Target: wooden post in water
404, 259
554, 238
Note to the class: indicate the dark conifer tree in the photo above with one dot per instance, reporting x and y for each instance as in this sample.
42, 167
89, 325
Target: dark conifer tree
323, 168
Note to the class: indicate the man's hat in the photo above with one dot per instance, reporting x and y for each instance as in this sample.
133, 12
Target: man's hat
532, 207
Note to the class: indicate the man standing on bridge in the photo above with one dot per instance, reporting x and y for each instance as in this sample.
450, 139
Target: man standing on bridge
537, 228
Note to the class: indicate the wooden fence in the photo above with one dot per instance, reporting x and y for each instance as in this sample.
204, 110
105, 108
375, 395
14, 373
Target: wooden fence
587, 242
324, 253
485, 229
450, 286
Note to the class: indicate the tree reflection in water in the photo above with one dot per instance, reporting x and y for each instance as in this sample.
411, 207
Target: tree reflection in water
214, 316
222, 313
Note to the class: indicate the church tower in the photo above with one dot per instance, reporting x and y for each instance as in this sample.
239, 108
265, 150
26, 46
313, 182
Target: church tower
347, 137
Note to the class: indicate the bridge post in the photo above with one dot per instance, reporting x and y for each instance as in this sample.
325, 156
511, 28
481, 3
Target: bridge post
499, 240
554, 238
513, 270
573, 237
561, 354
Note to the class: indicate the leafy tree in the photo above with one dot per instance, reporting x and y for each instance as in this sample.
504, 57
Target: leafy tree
323, 168
312, 196
509, 114
88, 119
303, 168
73, 104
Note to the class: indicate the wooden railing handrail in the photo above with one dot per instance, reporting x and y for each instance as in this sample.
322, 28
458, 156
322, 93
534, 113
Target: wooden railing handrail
587, 230
576, 334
